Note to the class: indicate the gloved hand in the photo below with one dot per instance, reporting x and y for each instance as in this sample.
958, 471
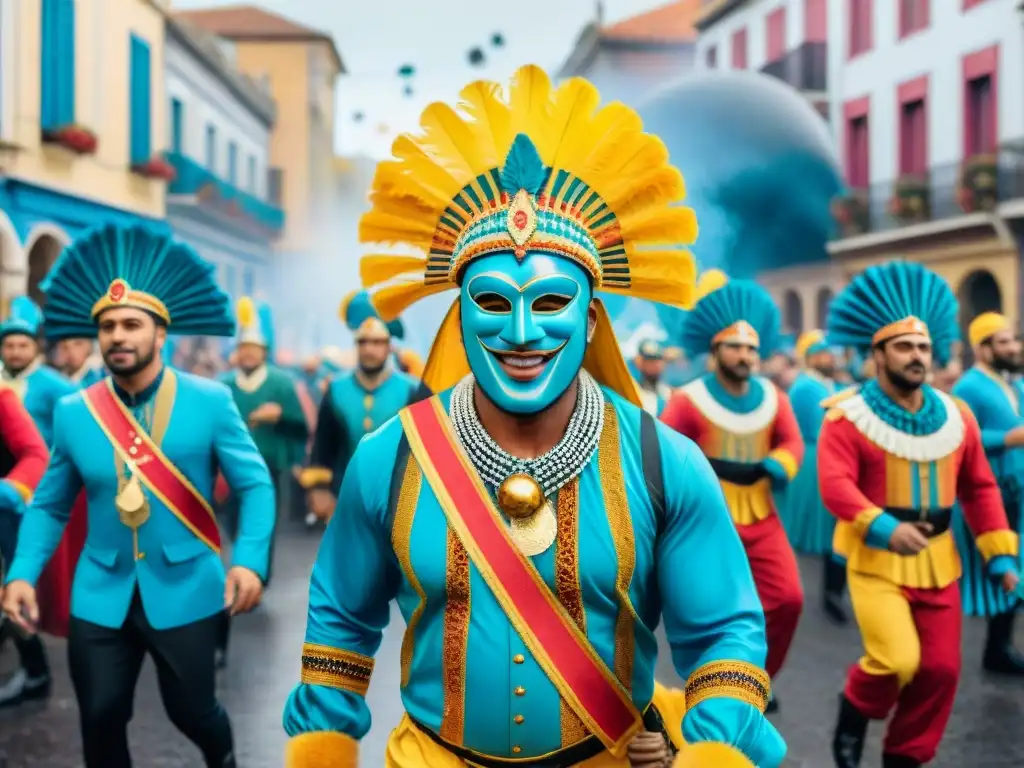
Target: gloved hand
736, 723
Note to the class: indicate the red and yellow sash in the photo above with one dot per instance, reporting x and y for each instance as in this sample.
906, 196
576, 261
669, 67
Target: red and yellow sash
561, 649
154, 469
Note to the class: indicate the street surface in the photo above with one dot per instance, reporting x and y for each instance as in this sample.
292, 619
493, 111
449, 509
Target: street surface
264, 665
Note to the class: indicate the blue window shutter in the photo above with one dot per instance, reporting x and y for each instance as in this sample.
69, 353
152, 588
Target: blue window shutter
232, 163
177, 125
49, 65
65, 53
211, 148
252, 173
141, 107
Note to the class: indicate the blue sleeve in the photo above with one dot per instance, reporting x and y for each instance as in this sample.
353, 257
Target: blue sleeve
711, 609
350, 590
880, 531
10, 500
993, 440
44, 521
247, 476
999, 566
806, 400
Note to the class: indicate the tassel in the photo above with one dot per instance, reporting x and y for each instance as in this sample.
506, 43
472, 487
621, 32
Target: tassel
380, 267
392, 301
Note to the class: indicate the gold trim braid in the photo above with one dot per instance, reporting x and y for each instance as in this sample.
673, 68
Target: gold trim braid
336, 668
735, 679
569, 591
455, 639
401, 530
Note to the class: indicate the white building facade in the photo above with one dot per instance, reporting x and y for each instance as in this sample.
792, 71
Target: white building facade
219, 127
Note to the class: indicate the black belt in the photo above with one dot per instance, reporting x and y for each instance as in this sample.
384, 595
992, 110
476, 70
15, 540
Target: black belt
579, 752
738, 472
939, 518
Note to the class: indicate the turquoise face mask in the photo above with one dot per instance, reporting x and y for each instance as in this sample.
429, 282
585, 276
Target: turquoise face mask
524, 325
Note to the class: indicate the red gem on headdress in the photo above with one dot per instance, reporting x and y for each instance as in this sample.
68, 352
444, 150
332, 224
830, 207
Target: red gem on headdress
520, 219
118, 290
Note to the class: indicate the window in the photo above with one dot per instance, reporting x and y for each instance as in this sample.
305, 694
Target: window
275, 185
815, 21
775, 35
141, 135
252, 174
739, 49
857, 142
913, 16
232, 163
968, 4
913, 138
57, 86
211, 148
980, 116
861, 19
177, 125
248, 282
711, 57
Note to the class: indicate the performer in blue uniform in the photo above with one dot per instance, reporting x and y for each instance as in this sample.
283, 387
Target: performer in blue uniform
649, 364
145, 445
808, 524
995, 402
532, 521
81, 363
354, 403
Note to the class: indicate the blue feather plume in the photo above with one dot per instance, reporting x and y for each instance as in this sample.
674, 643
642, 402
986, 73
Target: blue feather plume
357, 310
887, 293
396, 329
735, 301
523, 167
24, 317
265, 317
149, 259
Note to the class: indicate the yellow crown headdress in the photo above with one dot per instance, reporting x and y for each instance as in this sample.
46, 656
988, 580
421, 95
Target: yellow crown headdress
545, 171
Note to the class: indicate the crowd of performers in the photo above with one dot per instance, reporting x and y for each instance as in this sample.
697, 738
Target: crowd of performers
534, 504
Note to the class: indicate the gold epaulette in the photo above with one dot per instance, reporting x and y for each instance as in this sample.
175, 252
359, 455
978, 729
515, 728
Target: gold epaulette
833, 400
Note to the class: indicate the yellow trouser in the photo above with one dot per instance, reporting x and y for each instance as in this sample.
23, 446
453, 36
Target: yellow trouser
882, 610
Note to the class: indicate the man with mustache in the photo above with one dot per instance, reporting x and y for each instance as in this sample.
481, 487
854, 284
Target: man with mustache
989, 391
354, 403
531, 520
650, 366
893, 457
145, 445
808, 524
81, 362
746, 427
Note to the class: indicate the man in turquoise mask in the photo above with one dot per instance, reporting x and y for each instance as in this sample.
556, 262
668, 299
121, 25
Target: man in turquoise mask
531, 520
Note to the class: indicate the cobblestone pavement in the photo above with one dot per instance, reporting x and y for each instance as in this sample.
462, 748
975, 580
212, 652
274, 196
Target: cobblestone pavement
264, 666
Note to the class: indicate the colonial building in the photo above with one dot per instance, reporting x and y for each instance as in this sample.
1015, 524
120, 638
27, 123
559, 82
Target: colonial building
928, 116
223, 199
81, 125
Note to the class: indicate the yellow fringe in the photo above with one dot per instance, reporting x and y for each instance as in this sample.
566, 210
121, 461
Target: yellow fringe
378, 268
392, 301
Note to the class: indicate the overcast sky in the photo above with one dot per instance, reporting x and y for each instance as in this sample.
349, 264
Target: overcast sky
376, 37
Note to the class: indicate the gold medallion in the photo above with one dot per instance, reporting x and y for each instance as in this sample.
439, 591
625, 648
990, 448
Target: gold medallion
131, 503
520, 496
534, 534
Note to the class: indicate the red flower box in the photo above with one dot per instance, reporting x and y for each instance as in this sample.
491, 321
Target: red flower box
156, 168
75, 138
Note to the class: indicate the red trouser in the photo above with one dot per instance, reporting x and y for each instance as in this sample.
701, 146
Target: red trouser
911, 661
778, 585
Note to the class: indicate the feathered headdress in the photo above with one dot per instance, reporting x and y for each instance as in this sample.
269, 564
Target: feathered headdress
139, 266
360, 317
810, 343
255, 322
893, 299
740, 311
24, 317
543, 171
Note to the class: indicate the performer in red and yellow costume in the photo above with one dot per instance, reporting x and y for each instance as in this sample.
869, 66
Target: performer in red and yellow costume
746, 427
531, 520
893, 457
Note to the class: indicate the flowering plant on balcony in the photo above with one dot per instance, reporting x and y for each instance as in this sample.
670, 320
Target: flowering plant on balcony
978, 187
156, 168
851, 213
911, 200
76, 138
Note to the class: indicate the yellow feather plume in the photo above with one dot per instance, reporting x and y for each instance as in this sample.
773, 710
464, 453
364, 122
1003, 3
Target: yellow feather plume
710, 281
343, 306
245, 312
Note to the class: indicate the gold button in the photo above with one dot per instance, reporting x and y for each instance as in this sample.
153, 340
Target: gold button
517, 749
368, 402
519, 658
518, 719
137, 441
133, 450
520, 691
140, 556
367, 423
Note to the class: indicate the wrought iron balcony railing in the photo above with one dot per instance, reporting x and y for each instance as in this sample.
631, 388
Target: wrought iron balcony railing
805, 67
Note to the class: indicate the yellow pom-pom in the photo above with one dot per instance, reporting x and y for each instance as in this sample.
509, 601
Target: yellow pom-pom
245, 312
710, 281
322, 749
711, 754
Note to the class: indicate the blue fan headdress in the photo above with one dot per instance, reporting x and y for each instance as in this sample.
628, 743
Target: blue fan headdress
359, 315
397, 329
138, 266
25, 318
740, 311
255, 322
893, 299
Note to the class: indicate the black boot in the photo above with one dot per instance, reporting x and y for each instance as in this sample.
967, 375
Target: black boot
899, 761
833, 593
224, 632
31, 681
848, 739
1000, 655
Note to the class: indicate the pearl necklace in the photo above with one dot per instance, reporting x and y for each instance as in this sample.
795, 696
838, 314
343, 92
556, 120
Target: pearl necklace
555, 468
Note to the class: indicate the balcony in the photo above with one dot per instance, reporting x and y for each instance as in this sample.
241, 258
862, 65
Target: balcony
215, 197
981, 184
804, 68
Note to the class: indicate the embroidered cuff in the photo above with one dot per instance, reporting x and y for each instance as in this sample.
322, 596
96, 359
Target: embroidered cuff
336, 668
786, 460
322, 749
23, 490
863, 520
735, 679
994, 543
315, 477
